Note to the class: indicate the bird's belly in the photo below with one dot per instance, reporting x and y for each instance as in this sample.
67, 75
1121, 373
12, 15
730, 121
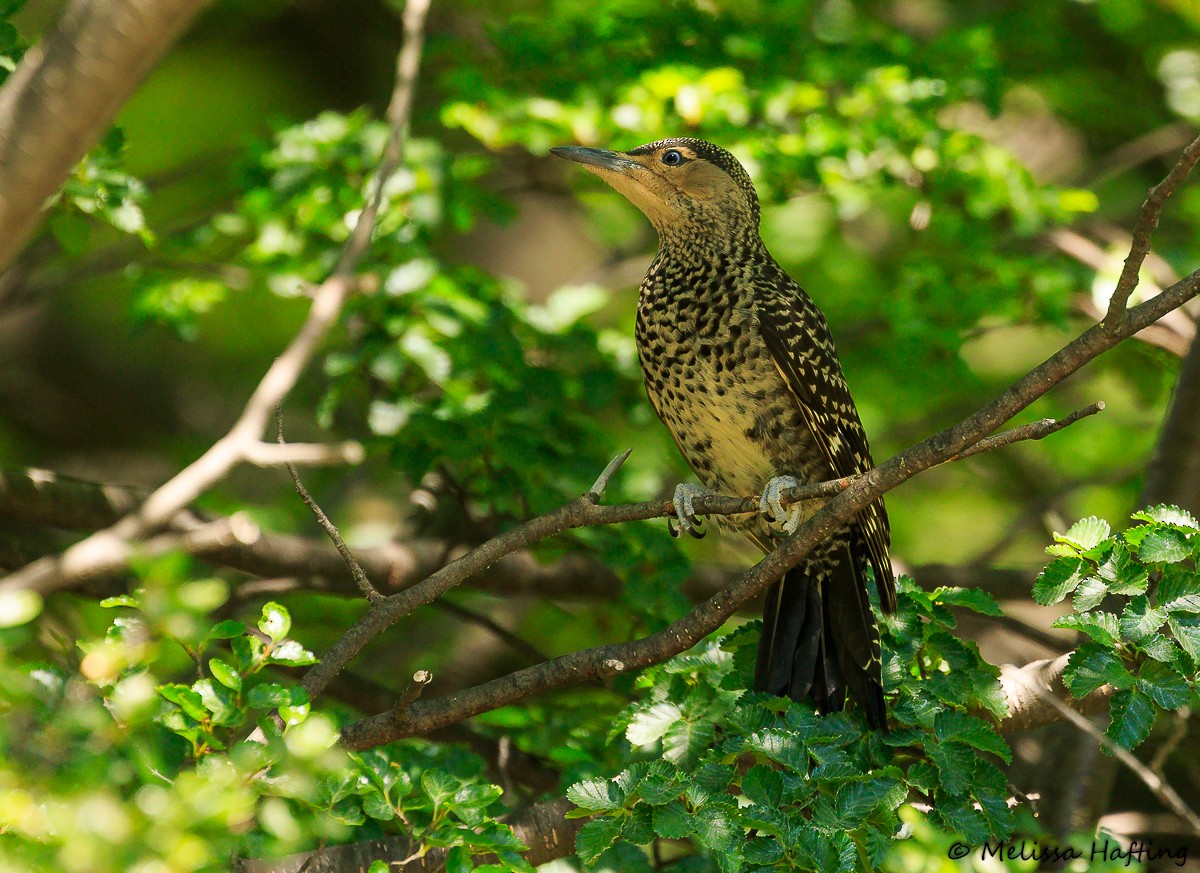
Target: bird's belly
736, 427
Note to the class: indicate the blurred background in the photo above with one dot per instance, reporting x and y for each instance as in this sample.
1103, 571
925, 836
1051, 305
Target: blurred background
952, 182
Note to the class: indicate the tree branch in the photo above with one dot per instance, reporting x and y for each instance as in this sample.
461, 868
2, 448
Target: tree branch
244, 439
1157, 785
65, 93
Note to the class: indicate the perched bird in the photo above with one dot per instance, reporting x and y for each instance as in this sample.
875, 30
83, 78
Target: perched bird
740, 366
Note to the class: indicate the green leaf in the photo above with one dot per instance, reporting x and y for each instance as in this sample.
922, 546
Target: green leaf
1132, 718
1186, 630
1164, 545
672, 821
1166, 514
225, 630
1163, 684
1100, 626
186, 699
458, 860
648, 725
955, 763
377, 807
271, 695
121, 600
974, 599
763, 785
1090, 594
1060, 578
1086, 534
439, 785
291, 653
1139, 619
1091, 666
686, 741
594, 795
225, 674
856, 800
952, 725
716, 827
276, 621
596, 836
1122, 571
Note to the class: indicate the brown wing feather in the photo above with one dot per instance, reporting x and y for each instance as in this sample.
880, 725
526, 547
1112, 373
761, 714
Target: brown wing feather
800, 344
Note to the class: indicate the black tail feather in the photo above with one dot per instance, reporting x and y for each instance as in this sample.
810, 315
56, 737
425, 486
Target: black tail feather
820, 640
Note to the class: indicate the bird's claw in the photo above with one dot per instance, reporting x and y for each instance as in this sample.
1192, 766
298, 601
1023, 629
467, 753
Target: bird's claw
685, 512
771, 504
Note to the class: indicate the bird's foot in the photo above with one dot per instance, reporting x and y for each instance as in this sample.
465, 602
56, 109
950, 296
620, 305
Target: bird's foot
684, 502
771, 504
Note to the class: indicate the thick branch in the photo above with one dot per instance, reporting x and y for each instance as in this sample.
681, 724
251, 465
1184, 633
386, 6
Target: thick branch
66, 92
1173, 475
1030, 690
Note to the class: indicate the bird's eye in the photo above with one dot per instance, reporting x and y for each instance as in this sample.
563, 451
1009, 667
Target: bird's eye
672, 158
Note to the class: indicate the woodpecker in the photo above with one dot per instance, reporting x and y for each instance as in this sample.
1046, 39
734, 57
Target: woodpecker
740, 366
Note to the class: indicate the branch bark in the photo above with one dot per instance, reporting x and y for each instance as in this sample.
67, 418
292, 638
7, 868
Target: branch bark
65, 93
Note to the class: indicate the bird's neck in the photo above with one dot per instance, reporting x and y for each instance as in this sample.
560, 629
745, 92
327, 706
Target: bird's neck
710, 246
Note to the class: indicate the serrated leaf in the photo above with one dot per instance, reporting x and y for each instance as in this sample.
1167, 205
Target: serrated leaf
763, 785
974, 599
952, 725
1186, 630
276, 621
1159, 647
1090, 593
672, 821
1165, 685
1167, 514
715, 826
596, 836
686, 741
1086, 534
271, 695
648, 725
1060, 578
1140, 619
1164, 545
1100, 626
856, 800
595, 795
637, 827
960, 817
225, 674
955, 763
1091, 666
1132, 718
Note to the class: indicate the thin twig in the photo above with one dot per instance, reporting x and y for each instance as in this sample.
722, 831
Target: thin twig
1157, 785
1171, 743
1146, 224
416, 687
335, 536
1036, 430
601, 483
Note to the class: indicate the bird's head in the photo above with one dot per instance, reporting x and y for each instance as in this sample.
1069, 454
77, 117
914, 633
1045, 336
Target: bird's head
686, 187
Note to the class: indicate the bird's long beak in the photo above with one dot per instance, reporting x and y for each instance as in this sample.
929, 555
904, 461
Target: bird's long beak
614, 162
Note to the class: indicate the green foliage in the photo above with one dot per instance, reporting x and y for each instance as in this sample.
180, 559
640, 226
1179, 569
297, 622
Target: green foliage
84, 735
819, 793
1137, 596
